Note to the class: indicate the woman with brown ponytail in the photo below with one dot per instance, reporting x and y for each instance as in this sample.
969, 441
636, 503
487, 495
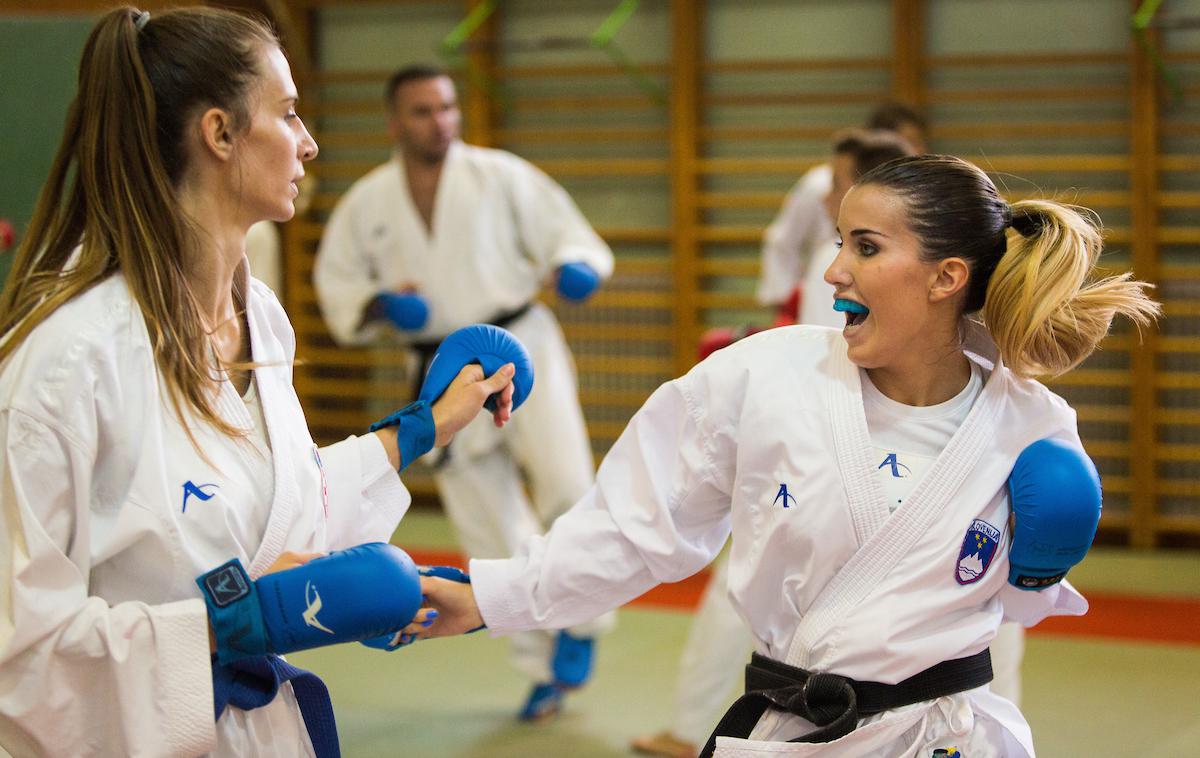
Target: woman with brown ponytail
895, 489
148, 425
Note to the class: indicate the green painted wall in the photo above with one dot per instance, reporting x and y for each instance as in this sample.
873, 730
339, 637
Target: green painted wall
39, 61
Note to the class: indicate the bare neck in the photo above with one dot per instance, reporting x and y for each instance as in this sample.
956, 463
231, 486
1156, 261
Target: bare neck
930, 380
423, 177
213, 270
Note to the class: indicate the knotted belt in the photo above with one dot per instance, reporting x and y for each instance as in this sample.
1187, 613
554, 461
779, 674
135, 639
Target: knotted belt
253, 682
835, 703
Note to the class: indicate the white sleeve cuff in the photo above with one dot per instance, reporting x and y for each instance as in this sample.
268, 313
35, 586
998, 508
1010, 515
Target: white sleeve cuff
599, 258
185, 678
381, 483
493, 582
366, 497
1029, 607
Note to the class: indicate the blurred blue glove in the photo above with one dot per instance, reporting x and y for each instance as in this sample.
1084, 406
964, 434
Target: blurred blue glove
408, 311
577, 281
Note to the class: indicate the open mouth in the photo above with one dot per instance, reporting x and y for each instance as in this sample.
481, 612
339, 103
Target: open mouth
856, 313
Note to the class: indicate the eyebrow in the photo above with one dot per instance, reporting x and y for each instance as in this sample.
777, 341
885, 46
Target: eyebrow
859, 232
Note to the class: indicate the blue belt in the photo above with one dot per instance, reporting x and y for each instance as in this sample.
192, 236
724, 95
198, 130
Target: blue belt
253, 682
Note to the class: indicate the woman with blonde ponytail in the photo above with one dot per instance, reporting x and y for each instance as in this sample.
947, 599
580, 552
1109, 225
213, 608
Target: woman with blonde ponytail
895, 489
149, 429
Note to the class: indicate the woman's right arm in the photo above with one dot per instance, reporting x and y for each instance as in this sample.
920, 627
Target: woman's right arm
658, 512
79, 676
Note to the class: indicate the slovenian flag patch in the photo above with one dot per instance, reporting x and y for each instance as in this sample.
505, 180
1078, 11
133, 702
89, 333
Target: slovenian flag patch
978, 549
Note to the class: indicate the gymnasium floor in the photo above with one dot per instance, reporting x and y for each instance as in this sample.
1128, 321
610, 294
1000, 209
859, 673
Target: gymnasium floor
1122, 681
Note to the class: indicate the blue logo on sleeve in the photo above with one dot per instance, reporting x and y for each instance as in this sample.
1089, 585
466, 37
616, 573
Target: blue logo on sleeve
197, 490
784, 495
978, 549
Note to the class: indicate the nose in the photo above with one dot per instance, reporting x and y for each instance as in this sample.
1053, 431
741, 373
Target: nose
445, 120
837, 275
308, 145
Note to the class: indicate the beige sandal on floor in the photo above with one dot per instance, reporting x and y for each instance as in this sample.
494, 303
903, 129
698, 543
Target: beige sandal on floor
664, 744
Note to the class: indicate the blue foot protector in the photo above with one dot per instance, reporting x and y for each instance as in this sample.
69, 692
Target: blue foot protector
545, 701
849, 306
572, 664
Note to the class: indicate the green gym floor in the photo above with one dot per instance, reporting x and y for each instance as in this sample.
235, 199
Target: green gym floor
1122, 681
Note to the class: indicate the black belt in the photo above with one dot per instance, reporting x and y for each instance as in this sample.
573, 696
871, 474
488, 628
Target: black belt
426, 350
835, 703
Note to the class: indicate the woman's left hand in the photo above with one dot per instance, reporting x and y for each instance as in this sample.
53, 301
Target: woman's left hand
461, 401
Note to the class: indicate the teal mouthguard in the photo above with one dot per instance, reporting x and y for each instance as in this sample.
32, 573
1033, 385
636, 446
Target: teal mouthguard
849, 306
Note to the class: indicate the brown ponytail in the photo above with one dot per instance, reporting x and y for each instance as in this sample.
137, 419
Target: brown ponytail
110, 202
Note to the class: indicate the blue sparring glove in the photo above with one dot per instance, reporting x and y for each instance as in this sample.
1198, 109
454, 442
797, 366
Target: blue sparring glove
408, 311
489, 346
1055, 493
346, 596
396, 640
577, 281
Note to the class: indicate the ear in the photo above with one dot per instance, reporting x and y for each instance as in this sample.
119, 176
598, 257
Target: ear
949, 279
216, 133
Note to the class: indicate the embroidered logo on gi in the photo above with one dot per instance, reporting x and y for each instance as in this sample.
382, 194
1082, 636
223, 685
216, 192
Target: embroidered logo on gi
313, 600
947, 752
896, 465
190, 489
324, 481
978, 549
784, 495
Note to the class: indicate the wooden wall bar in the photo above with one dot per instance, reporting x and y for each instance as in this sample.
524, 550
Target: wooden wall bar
683, 187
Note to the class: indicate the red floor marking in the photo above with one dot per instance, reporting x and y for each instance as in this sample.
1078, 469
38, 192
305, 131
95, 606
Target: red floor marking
1130, 617
426, 557
1111, 616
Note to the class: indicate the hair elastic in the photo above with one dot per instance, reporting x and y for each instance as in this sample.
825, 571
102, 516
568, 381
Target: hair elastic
140, 22
1007, 214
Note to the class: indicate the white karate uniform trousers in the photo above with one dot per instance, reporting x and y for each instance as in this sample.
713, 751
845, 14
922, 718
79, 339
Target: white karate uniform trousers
481, 484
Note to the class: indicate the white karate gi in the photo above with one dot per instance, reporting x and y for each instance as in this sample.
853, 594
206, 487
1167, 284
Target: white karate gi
788, 244
500, 227
712, 666
832, 582
103, 633
707, 671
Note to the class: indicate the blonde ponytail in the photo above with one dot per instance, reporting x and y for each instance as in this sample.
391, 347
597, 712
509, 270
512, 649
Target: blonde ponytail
1031, 263
1043, 307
